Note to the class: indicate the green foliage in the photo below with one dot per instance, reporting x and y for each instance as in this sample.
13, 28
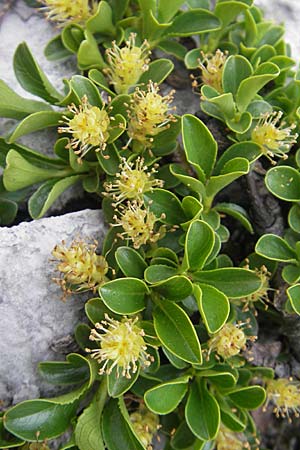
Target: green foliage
169, 333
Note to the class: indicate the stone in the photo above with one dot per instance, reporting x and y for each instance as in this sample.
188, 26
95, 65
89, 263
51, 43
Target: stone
36, 325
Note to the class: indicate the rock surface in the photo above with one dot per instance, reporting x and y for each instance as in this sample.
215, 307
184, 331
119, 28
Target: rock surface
36, 324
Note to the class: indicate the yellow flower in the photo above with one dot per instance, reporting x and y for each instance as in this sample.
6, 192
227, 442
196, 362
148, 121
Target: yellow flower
212, 66
122, 345
138, 223
228, 440
132, 181
80, 266
229, 341
145, 424
88, 126
273, 137
285, 396
149, 114
68, 11
127, 64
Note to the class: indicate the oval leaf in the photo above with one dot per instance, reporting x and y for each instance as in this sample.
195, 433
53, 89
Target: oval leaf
125, 295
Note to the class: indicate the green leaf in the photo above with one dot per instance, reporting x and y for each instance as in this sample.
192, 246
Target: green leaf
224, 377
191, 182
164, 398
82, 86
249, 87
8, 211
88, 55
202, 412
72, 371
47, 193
293, 293
125, 295
284, 182
199, 242
213, 305
155, 274
250, 397
294, 218
193, 22
101, 21
55, 49
231, 171
176, 331
291, 273
20, 173
228, 10
199, 145
183, 438
72, 35
173, 48
7, 440
36, 121
275, 247
237, 212
117, 384
113, 420
109, 159
31, 77
14, 106
88, 427
157, 72
175, 288
165, 206
39, 419
234, 282
96, 310
131, 262
236, 69
166, 9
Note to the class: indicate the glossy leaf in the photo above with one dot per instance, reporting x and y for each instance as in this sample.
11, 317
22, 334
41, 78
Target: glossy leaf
213, 305
165, 206
113, 420
82, 86
14, 106
125, 295
117, 384
199, 243
231, 171
31, 77
250, 397
48, 418
199, 145
202, 412
164, 398
88, 427
293, 293
47, 193
275, 248
36, 121
232, 281
130, 262
236, 69
175, 288
237, 212
72, 371
284, 182
157, 72
176, 331
193, 22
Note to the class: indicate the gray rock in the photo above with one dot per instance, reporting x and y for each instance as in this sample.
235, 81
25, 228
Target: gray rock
36, 324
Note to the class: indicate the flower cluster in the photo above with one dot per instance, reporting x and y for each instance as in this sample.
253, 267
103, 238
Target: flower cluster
68, 11
284, 394
149, 114
89, 128
80, 266
122, 346
145, 424
126, 64
132, 181
138, 223
228, 440
211, 67
273, 137
229, 341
